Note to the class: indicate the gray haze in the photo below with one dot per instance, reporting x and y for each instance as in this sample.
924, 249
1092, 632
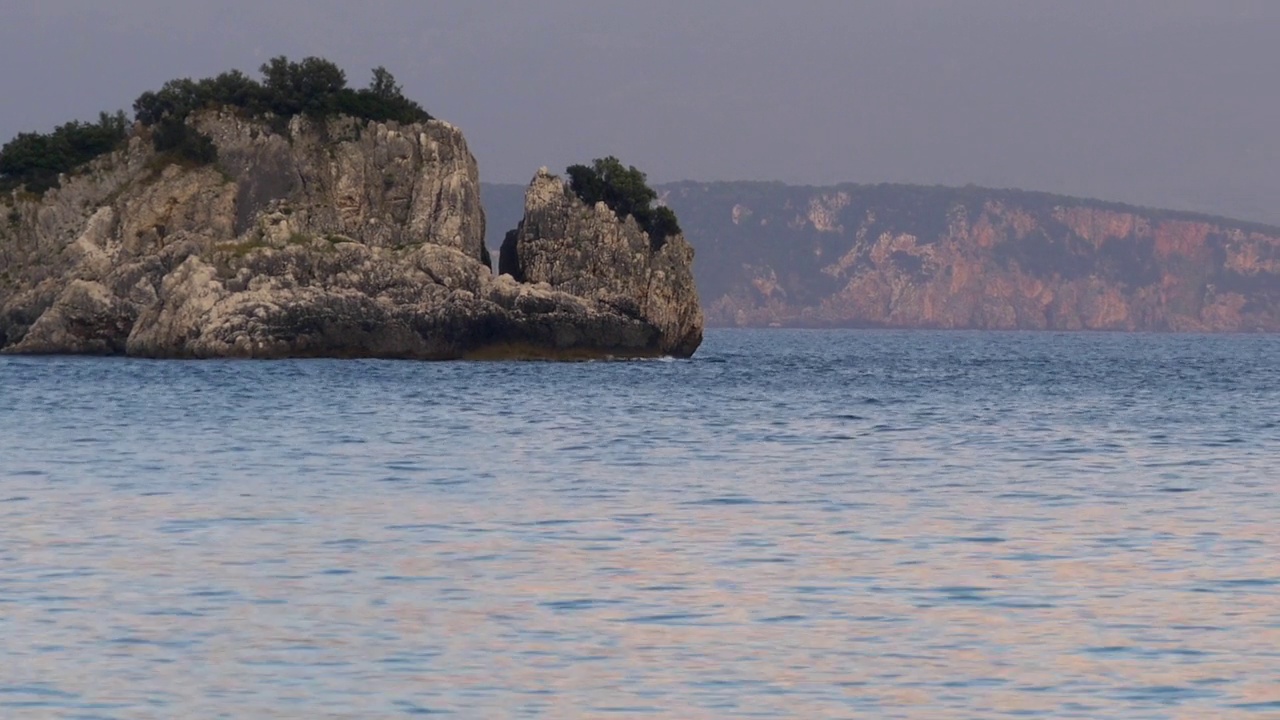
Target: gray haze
1161, 102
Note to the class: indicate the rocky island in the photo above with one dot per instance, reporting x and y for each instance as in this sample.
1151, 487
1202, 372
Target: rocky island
297, 218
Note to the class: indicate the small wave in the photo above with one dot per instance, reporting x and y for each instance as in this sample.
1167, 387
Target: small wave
665, 619
578, 604
728, 500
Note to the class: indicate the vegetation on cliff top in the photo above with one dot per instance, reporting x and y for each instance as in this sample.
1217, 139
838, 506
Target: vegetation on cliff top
625, 191
35, 159
314, 87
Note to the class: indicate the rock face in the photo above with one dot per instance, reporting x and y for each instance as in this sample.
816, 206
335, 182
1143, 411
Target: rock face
334, 238
591, 253
931, 257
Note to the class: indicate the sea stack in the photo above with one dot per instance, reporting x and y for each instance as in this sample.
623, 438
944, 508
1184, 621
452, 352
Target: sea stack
591, 252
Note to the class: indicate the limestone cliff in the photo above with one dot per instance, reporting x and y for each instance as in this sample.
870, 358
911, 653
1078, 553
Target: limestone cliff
590, 252
336, 237
932, 257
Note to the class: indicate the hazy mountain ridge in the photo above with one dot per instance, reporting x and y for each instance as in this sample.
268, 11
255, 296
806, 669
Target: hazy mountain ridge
969, 257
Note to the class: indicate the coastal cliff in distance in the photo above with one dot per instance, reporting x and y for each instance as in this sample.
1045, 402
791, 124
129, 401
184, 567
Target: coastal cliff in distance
906, 256
311, 234
935, 257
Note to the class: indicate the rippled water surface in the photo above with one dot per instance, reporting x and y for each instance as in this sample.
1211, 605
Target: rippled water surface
791, 525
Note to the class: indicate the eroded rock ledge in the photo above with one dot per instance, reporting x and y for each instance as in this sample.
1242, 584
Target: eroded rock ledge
337, 238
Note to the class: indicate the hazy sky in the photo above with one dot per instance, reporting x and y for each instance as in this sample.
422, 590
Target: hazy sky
1164, 102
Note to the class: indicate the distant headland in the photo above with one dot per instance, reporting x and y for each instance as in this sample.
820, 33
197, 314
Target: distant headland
912, 256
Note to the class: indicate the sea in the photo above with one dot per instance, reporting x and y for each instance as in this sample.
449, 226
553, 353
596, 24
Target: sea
791, 524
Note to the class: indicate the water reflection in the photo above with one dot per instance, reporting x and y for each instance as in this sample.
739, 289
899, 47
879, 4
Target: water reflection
686, 540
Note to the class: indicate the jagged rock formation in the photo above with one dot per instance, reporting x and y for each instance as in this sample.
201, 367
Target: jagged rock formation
335, 238
590, 252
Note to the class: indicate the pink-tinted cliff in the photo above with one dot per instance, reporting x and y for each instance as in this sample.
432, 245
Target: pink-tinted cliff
907, 256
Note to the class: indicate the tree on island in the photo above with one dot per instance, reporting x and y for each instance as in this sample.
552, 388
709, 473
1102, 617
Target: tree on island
314, 87
625, 191
36, 160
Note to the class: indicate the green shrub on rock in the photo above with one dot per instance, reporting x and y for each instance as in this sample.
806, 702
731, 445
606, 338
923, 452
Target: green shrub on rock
36, 159
626, 192
314, 87
175, 137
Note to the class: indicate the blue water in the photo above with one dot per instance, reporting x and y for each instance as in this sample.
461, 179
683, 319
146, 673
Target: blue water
790, 525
